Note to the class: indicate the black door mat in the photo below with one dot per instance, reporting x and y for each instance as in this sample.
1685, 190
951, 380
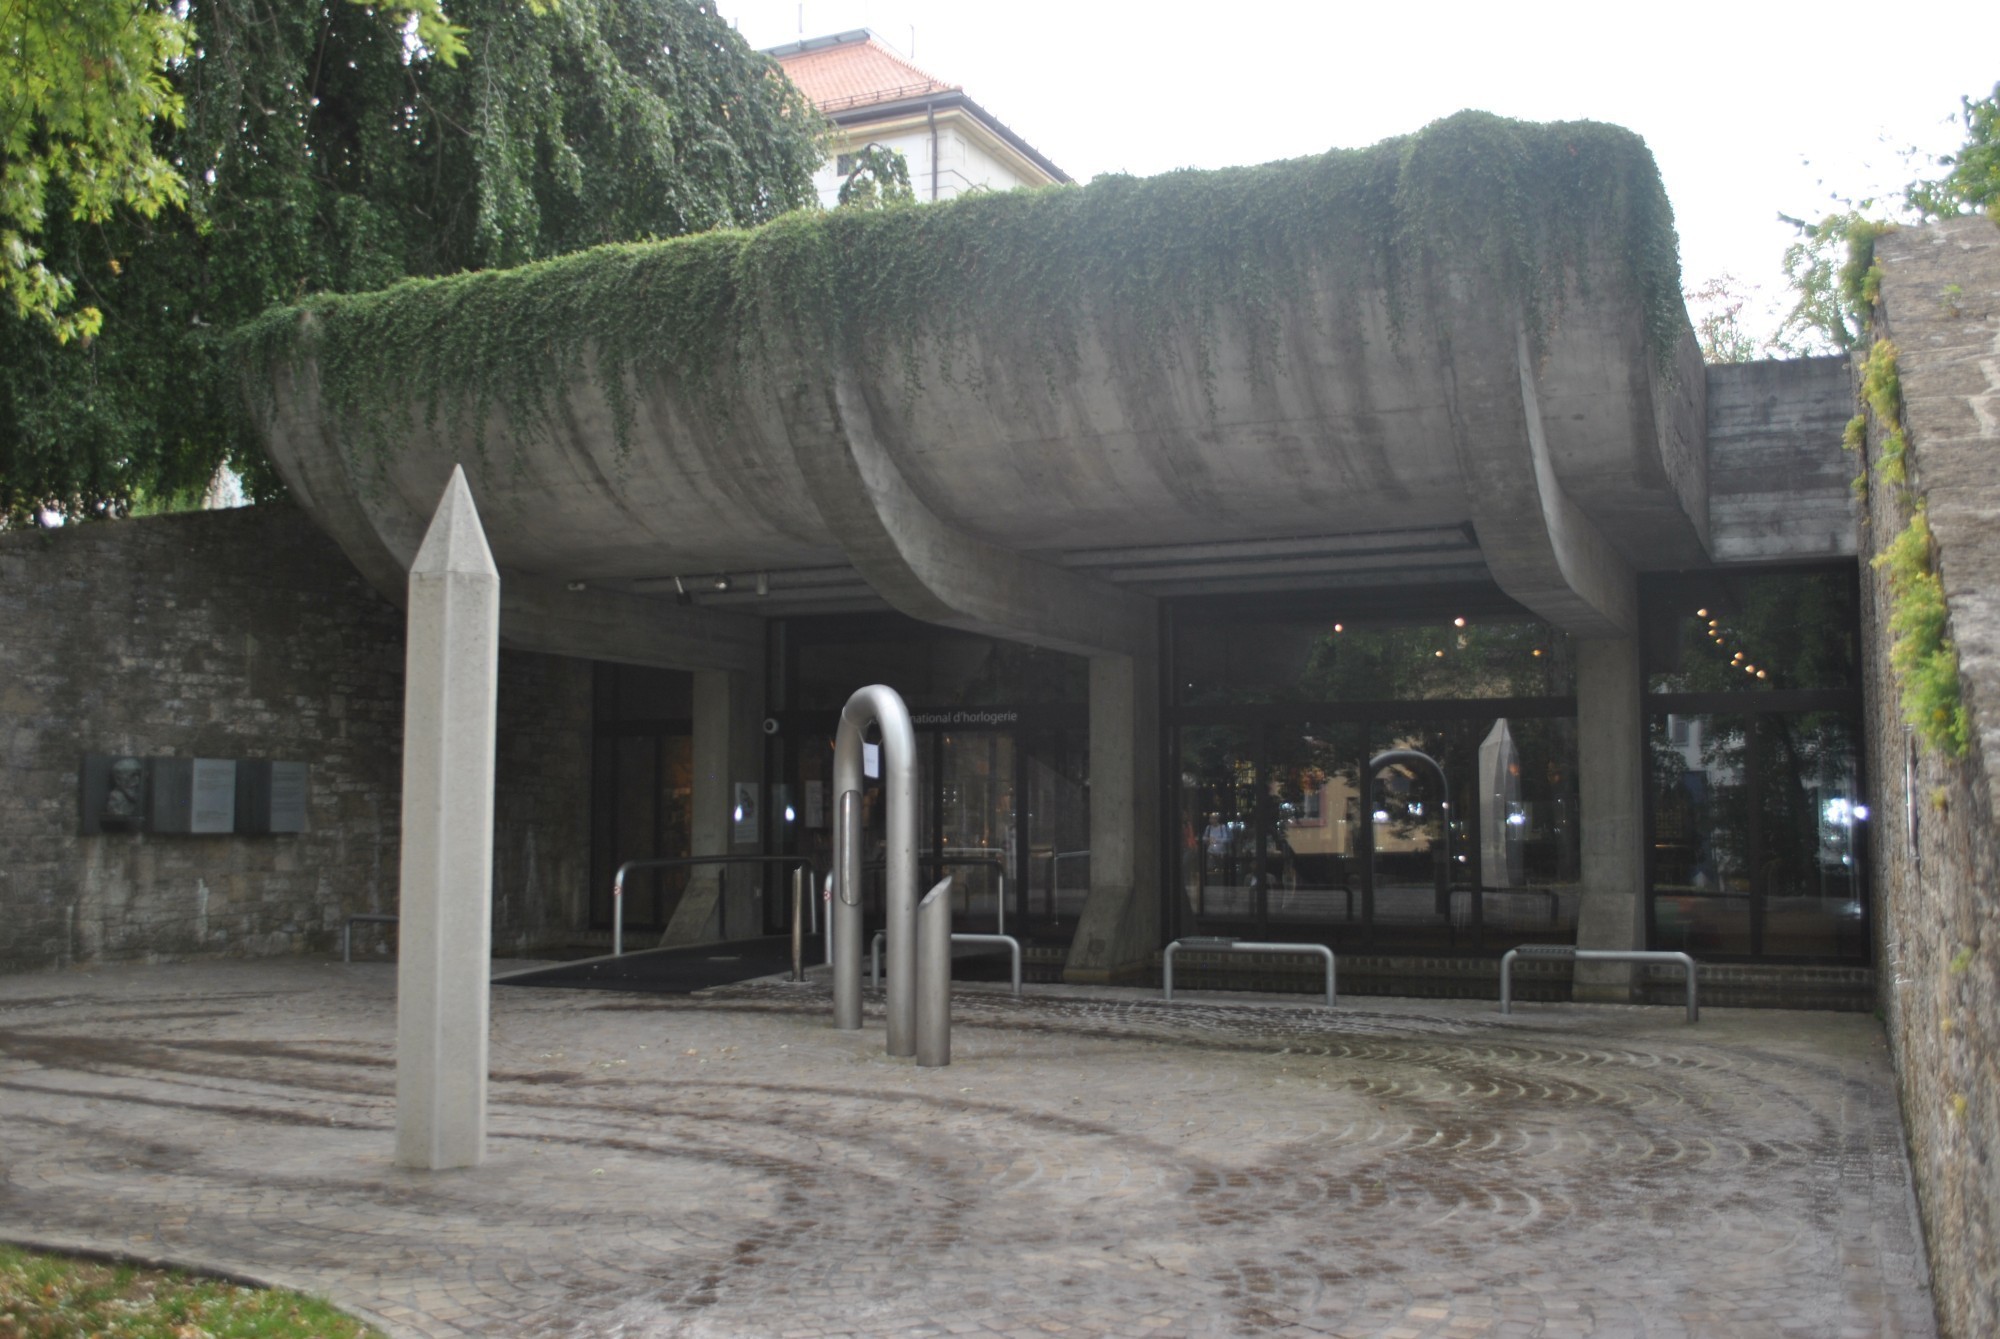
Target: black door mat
675, 971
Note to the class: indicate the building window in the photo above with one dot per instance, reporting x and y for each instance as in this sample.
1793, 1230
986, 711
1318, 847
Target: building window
1757, 818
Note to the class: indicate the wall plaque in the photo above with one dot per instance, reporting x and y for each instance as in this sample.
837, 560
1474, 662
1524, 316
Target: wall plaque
193, 795
271, 796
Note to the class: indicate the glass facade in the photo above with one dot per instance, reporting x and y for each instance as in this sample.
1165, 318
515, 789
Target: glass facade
1757, 816
1389, 774
642, 789
1003, 751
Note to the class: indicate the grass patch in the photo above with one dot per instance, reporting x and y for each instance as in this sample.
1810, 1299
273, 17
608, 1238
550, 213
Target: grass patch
57, 1297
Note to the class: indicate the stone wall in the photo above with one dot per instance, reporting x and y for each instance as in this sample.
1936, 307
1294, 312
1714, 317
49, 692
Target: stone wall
1936, 848
243, 634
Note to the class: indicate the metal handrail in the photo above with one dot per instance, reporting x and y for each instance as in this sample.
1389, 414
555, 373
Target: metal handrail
1012, 944
965, 861
680, 862
1219, 944
347, 930
1594, 955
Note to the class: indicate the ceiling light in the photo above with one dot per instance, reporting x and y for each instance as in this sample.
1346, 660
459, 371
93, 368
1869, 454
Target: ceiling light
1339, 627
1701, 613
1458, 622
722, 582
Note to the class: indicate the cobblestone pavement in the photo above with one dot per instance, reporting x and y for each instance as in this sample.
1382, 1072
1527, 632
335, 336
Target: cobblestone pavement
1093, 1163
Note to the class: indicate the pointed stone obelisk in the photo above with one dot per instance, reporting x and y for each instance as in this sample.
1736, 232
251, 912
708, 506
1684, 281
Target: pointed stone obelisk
451, 680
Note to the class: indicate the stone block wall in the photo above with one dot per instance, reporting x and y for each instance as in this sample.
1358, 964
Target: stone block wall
1936, 844
243, 634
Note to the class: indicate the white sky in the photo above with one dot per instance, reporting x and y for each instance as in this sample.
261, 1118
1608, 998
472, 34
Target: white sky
1751, 108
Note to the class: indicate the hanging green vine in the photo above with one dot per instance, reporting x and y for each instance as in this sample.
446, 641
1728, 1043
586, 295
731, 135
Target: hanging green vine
1540, 209
1923, 656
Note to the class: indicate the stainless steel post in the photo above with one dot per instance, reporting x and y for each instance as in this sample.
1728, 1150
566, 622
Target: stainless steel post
933, 993
880, 706
843, 918
618, 913
798, 923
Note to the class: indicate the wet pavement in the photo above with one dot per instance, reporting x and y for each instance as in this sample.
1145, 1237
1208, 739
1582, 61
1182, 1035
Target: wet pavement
1092, 1163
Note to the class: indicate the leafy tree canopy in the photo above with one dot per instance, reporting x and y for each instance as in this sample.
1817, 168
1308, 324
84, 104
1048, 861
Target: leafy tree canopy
1831, 266
337, 146
81, 87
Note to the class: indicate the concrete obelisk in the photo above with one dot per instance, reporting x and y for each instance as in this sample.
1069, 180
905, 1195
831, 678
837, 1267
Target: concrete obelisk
450, 683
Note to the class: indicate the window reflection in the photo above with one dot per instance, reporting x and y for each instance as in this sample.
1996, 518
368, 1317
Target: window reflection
1752, 632
1758, 824
1286, 832
1757, 819
1370, 659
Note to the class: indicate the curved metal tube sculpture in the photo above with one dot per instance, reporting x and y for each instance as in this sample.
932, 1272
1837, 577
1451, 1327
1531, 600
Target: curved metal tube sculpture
1421, 759
880, 706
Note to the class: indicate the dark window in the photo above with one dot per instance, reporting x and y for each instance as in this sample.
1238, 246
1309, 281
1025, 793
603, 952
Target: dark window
1756, 813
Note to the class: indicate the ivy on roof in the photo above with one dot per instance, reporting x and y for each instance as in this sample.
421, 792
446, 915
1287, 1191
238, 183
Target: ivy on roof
1538, 208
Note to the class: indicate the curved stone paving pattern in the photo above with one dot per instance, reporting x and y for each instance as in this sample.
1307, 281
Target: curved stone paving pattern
1089, 1165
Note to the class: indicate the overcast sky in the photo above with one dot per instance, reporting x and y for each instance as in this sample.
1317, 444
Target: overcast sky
1751, 108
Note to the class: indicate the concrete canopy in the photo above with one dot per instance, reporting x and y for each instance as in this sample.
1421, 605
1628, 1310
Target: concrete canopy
1454, 355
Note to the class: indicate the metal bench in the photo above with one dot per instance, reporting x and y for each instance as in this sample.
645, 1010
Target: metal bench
1571, 952
1223, 944
347, 931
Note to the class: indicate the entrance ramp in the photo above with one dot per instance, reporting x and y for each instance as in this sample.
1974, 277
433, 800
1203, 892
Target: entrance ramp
673, 971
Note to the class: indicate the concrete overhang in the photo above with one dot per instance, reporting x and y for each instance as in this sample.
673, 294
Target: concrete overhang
1411, 415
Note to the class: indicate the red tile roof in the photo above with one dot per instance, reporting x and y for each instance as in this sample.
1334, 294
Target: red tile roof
854, 70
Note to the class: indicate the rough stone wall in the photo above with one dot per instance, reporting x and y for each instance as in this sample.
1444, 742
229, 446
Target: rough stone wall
1936, 886
243, 634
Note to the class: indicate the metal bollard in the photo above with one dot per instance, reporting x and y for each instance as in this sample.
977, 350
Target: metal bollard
844, 916
798, 926
934, 977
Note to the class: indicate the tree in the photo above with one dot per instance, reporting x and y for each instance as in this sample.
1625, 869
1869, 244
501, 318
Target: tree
1973, 183
879, 178
81, 89
1831, 265
1717, 309
329, 145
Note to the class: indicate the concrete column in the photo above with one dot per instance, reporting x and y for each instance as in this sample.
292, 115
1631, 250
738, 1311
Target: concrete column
451, 684
728, 747
1120, 927
1611, 779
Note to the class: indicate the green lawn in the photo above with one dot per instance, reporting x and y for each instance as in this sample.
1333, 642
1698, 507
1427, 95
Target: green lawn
53, 1297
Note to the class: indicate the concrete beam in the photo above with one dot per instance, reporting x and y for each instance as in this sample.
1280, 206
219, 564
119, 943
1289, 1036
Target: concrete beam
938, 572
538, 614
1539, 545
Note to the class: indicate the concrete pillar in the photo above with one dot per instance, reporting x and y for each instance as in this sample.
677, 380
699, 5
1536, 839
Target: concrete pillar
727, 748
1120, 927
1611, 780
451, 683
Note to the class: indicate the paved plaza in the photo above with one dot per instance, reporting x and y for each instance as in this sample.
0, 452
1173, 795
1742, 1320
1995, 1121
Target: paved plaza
1092, 1163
